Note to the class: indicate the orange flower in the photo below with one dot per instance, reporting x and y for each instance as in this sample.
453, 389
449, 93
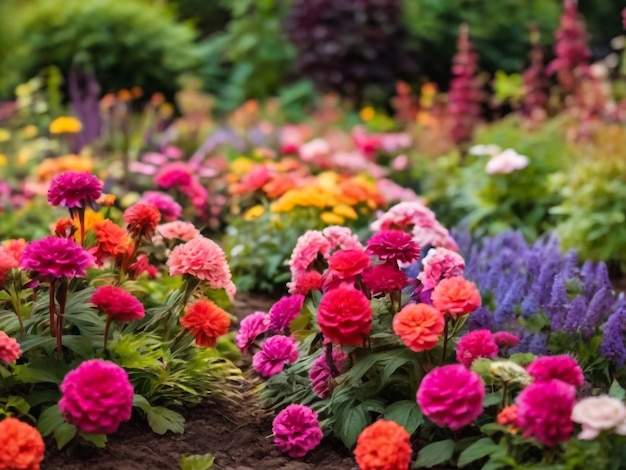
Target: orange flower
278, 185
383, 445
456, 295
419, 326
65, 228
142, 220
508, 417
112, 240
206, 321
21, 444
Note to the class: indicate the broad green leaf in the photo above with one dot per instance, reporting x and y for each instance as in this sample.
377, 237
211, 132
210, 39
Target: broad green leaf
140, 402
350, 423
406, 413
49, 420
479, 449
617, 390
41, 371
99, 440
196, 462
435, 454
17, 403
492, 398
162, 420
64, 433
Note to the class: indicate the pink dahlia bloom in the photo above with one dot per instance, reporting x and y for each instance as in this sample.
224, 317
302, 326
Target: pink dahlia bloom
53, 258
384, 279
432, 233
342, 238
451, 396
320, 372
440, 263
308, 247
296, 430
118, 303
394, 246
97, 397
562, 367
7, 262
345, 316
9, 348
403, 216
285, 311
174, 175
170, 210
74, 189
204, 259
476, 344
504, 339
178, 230
250, 328
545, 409
276, 353
311, 280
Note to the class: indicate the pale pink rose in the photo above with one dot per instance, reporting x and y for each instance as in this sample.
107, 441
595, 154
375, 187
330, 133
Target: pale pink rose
178, 229
596, 414
440, 263
431, 232
506, 162
394, 141
404, 215
314, 149
309, 245
341, 238
400, 163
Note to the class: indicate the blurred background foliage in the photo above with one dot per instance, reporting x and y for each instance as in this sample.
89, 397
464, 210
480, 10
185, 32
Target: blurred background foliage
241, 49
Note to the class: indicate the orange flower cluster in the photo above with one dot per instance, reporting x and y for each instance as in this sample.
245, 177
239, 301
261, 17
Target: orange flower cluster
383, 445
21, 446
456, 296
206, 321
52, 166
419, 326
112, 240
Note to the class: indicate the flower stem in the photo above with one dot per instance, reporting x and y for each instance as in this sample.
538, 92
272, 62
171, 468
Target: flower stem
15, 300
62, 297
52, 310
334, 372
81, 221
445, 340
106, 331
505, 395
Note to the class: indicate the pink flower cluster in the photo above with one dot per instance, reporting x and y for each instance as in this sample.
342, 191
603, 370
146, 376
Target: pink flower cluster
296, 430
170, 210
118, 303
474, 345
393, 246
178, 230
250, 328
277, 351
440, 263
53, 258
9, 348
319, 374
285, 311
180, 176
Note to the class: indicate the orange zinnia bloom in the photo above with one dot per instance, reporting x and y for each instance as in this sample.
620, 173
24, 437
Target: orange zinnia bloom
456, 296
419, 326
383, 445
21, 444
206, 321
112, 240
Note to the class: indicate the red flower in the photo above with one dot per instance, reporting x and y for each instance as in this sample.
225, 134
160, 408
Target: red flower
206, 321
311, 280
475, 344
117, 303
345, 316
345, 264
112, 240
142, 220
21, 444
384, 278
393, 245
456, 296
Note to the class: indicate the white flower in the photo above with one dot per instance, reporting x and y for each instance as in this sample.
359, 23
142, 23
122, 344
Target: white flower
599, 413
313, 149
489, 149
505, 162
510, 372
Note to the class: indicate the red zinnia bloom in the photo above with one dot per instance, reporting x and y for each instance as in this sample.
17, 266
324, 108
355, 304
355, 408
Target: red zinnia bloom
393, 245
311, 280
206, 321
384, 278
345, 316
117, 303
142, 220
345, 264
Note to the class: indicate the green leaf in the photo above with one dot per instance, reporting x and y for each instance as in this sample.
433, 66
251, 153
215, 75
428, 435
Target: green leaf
139, 401
492, 398
479, 449
17, 403
350, 423
99, 440
196, 462
49, 420
162, 419
406, 413
435, 454
41, 371
64, 433
617, 390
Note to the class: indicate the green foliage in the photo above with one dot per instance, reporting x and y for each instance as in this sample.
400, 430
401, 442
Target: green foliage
435, 454
196, 462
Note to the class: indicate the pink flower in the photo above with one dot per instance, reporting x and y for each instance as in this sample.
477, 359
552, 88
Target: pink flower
392, 191
285, 311
597, 414
73, 189
117, 303
563, 367
250, 328
7, 262
168, 207
9, 348
308, 247
402, 216
505, 339
277, 351
14, 247
197, 193
204, 259
347, 264
97, 397
320, 372
341, 238
476, 344
142, 220
174, 175
506, 162
314, 150
440, 263
432, 233
178, 229
311, 280
53, 258
545, 409
296, 430
384, 278
394, 246
451, 396
345, 316
142, 266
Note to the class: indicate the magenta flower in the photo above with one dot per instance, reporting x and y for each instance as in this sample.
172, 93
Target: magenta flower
174, 175
117, 303
544, 411
564, 368
170, 210
97, 397
296, 430
250, 328
285, 311
394, 246
320, 372
384, 278
476, 344
73, 189
277, 352
9, 348
451, 396
504, 339
52, 258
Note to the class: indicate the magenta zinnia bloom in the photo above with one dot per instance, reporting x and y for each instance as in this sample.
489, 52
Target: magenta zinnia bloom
52, 258
250, 328
117, 303
285, 311
73, 189
451, 396
476, 344
9, 348
97, 397
544, 411
562, 367
296, 430
170, 210
174, 175
384, 278
277, 352
204, 259
504, 339
320, 372
394, 246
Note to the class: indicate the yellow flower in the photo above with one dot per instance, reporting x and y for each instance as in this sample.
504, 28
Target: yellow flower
367, 113
3, 160
331, 219
106, 200
65, 125
91, 217
254, 212
5, 135
241, 165
30, 131
343, 210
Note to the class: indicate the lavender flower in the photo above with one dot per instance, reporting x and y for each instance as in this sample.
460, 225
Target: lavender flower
613, 345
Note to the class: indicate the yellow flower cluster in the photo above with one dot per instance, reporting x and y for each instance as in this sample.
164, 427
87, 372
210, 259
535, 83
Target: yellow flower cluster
65, 125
